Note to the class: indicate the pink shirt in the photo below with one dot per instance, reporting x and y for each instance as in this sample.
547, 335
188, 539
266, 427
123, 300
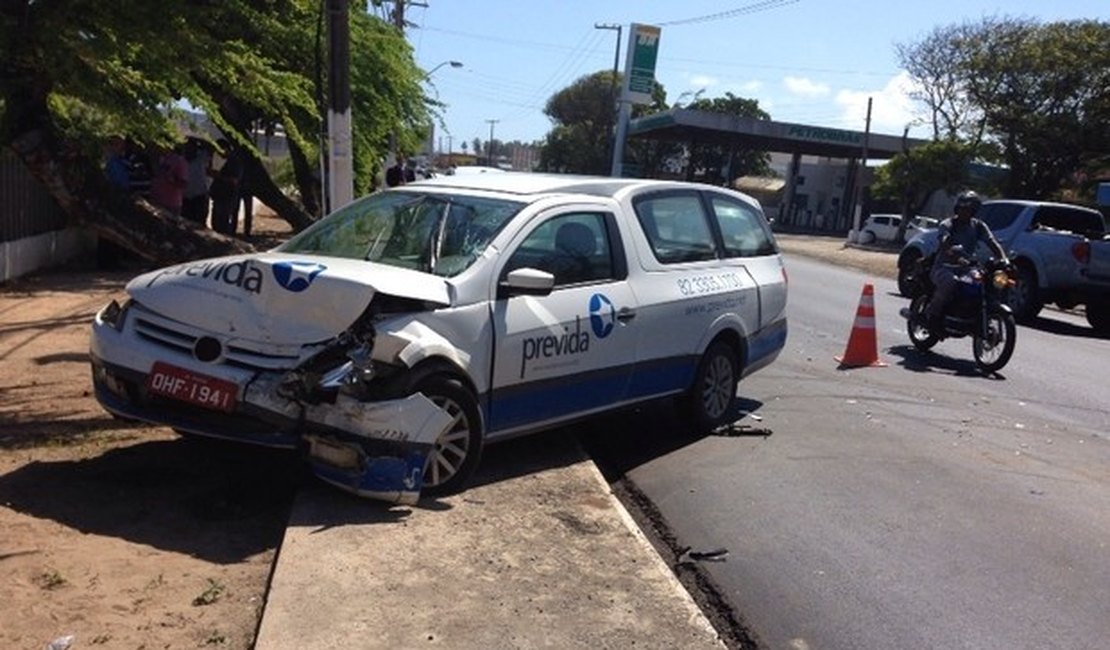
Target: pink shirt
167, 189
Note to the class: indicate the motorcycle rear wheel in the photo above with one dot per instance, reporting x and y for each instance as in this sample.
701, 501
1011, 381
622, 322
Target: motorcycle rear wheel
993, 351
920, 335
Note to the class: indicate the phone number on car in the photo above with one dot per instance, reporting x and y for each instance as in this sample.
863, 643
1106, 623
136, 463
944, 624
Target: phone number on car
703, 284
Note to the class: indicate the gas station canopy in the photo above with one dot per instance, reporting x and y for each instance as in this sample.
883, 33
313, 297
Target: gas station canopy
680, 124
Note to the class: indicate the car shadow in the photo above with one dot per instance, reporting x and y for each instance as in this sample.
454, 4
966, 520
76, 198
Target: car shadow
621, 442
917, 361
1064, 328
220, 502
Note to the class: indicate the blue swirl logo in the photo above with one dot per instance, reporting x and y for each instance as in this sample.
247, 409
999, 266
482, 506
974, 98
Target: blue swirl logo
603, 316
296, 276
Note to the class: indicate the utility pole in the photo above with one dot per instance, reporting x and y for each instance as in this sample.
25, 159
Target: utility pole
857, 196
613, 86
340, 174
491, 123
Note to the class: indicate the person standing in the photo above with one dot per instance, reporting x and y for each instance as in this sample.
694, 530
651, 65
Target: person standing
167, 188
225, 189
395, 175
195, 205
116, 169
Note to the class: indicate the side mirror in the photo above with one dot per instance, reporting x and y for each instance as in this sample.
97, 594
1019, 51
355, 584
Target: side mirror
526, 282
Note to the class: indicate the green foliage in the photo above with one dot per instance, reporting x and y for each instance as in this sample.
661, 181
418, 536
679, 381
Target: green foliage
583, 114
719, 161
89, 68
912, 176
1039, 93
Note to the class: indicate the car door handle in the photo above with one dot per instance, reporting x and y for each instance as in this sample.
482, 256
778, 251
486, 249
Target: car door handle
625, 314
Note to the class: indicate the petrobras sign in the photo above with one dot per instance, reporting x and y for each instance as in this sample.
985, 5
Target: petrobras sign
639, 63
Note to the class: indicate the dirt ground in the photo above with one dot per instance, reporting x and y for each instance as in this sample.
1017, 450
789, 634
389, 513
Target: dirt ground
122, 535
128, 536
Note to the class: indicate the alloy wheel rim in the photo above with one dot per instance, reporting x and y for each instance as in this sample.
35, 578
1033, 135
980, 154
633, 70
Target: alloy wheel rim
716, 394
451, 448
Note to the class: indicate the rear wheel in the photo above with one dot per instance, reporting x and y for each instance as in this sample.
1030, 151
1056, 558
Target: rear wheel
994, 347
920, 335
458, 449
709, 402
868, 237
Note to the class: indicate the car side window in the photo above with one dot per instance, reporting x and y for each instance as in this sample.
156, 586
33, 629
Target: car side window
574, 247
999, 216
742, 228
676, 227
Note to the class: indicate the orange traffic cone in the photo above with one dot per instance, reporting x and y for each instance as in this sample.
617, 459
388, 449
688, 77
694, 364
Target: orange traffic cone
863, 345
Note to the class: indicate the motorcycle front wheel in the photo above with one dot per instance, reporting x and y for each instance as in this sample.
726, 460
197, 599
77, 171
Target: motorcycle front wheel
994, 346
920, 335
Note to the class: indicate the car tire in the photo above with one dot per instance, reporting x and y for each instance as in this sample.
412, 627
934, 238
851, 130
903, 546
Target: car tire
1098, 316
867, 237
709, 402
458, 450
1025, 298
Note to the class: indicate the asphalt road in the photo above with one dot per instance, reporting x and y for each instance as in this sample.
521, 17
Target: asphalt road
920, 505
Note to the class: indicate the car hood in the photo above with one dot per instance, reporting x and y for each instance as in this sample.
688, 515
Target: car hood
278, 297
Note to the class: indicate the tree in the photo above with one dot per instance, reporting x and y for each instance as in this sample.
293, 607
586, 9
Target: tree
74, 72
727, 162
912, 176
1039, 93
934, 66
579, 141
1044, 93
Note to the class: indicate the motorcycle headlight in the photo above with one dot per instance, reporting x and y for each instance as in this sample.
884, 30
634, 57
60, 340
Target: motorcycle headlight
1000, 279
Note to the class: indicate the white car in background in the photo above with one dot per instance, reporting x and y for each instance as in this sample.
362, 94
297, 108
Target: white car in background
393, 339
884, 227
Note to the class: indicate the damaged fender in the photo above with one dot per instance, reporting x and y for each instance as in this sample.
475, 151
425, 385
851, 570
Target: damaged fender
407, 428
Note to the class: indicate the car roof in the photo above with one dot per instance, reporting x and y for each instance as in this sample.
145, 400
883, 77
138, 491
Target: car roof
523, 184
1028, 202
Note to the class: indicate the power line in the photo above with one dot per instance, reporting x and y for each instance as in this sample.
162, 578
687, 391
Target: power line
756, 7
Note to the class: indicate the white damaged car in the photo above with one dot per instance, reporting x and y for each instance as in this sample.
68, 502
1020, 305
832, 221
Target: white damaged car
395, 338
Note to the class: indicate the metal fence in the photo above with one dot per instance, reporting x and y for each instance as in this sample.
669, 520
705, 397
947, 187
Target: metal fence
26, 209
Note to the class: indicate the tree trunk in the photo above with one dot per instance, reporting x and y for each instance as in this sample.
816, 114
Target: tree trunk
87, 199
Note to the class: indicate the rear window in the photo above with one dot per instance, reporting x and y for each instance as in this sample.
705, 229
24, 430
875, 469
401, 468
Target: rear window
1073, 220
676, 227
999, 216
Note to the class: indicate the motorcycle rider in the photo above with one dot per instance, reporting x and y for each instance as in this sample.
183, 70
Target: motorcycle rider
958, 235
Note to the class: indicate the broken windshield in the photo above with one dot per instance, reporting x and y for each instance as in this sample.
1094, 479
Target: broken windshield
436, 233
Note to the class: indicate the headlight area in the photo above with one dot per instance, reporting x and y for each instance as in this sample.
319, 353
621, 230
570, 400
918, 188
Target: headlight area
114, 314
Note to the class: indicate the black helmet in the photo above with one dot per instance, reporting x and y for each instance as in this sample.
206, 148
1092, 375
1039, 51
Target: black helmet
968, 199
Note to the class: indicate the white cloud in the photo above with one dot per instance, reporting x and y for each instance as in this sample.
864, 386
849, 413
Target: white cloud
703, 81
753, 86
805, 87
891, 108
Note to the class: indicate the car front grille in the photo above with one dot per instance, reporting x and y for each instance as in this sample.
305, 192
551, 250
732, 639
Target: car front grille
236, 352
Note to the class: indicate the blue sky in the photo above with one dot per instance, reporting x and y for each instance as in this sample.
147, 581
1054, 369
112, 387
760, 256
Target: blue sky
808, 61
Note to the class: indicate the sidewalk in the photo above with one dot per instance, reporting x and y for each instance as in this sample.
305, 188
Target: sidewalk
541, 555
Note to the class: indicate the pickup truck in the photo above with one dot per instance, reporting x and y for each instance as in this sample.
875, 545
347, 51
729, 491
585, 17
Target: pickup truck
1052, 245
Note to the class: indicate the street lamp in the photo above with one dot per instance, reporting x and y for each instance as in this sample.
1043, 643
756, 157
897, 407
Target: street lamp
453, 64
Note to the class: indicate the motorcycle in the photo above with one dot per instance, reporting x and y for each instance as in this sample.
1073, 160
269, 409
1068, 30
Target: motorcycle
979, 310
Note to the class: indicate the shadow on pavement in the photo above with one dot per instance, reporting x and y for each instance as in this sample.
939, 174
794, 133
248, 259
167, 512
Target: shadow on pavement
917, 361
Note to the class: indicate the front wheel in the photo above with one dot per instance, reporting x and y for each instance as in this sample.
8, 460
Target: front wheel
994, 346
920, 335
458, 449
907, 270
1025, 298
1098, 316
709, 402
